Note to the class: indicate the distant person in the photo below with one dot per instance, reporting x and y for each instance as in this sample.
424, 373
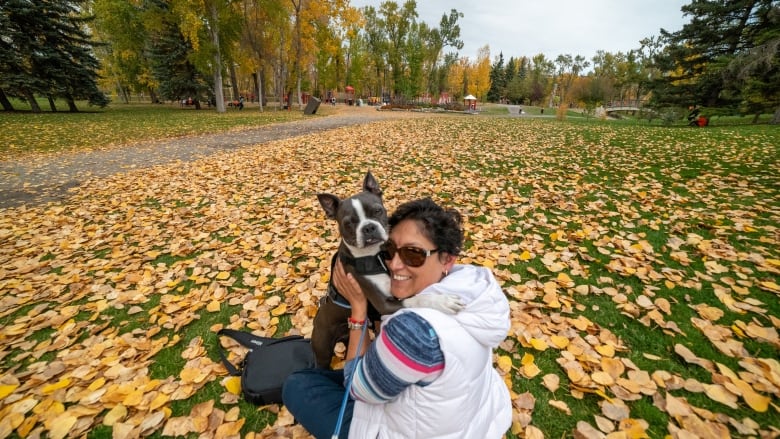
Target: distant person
693, 116
241, 103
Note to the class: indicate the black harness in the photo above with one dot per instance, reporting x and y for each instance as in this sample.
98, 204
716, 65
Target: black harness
364, 265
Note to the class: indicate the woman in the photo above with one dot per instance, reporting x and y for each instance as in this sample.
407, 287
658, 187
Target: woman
427, 374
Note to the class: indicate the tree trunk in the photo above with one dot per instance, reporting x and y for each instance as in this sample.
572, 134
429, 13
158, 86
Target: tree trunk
51, 104
234, 82
7, 106
71, 104
33, 103
153, 96
776, 118
259, 88
218, 92
300, 101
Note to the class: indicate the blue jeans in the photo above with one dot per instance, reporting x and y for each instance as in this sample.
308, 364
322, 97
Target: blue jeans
314, 397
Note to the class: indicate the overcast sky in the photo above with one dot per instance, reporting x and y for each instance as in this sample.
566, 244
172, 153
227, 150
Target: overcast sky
553, 27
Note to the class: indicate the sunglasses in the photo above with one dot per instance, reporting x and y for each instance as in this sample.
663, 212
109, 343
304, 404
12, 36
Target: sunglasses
411, 256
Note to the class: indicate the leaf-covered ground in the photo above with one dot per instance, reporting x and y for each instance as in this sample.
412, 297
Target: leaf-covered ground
641, 265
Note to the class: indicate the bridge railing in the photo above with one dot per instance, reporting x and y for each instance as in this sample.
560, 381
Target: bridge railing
631, 103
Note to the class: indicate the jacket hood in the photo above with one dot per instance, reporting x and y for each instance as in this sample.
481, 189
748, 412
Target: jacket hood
486, 315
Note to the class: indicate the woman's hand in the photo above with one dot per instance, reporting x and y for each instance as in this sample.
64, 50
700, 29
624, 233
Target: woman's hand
348, 286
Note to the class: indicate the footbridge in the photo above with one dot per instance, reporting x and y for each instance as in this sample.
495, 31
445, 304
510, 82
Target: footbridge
628, 105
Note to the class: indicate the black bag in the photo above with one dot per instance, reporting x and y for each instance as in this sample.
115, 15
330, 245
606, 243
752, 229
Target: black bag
267, 364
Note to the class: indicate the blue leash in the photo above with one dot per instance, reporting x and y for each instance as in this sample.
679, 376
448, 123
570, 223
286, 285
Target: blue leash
343, 408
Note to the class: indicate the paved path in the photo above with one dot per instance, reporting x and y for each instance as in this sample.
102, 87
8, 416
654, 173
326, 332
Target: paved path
40, 179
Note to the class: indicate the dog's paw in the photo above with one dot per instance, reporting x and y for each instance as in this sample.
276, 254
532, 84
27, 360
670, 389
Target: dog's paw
452, 304
446, 303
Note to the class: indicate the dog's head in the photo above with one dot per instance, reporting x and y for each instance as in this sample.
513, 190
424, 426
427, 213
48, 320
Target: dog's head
362, 218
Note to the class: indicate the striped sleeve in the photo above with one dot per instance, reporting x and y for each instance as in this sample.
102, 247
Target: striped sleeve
405, 353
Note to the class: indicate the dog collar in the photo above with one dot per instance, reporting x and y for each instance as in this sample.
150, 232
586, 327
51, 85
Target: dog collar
366, 265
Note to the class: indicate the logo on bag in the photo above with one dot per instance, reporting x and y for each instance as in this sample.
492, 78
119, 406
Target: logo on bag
256, 342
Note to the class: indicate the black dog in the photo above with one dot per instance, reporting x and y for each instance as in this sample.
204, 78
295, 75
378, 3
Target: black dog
362, 220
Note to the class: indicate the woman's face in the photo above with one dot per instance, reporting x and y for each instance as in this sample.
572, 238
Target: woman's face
406, 281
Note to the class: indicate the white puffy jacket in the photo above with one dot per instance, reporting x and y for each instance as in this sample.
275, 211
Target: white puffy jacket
469, 399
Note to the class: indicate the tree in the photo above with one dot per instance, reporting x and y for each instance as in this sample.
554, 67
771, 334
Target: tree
47, 51
480, 76
119, 24
169, 53
447, 35
397, 22
262, 20
757, 71
211, 27
498, 81
697, 58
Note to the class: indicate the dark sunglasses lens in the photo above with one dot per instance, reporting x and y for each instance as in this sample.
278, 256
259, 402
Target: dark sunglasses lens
387, 251
412, 257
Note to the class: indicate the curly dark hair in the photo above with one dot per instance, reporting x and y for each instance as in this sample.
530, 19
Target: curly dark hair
442, 226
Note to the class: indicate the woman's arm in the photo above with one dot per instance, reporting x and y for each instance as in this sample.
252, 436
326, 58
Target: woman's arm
405, 353
350, 289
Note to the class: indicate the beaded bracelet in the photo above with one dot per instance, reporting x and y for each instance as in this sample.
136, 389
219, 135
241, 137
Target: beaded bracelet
355, 324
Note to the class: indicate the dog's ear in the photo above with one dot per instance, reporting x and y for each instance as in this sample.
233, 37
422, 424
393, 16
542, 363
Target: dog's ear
370, 185
330, 203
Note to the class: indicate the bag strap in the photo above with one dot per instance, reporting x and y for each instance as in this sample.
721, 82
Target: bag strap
248, 340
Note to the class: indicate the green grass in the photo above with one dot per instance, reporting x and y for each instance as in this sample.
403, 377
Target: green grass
118, 124
580, 193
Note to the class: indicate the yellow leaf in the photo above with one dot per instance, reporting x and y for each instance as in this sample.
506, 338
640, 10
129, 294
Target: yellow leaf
756, 401
213, 306
669, 284
718, 393
531, 370
160, 400
7, 389
559, 341
538, 344
61, 425
527, 359
65, 382
133, 398
560, 405
189, 374
525, 255
551, 381
98, 383
606, 350
505, 363
223, 275
115, 415
233, 385
770, 286
602, 378
279, 310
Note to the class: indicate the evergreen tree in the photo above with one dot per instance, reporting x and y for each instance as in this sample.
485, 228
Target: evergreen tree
169, 53
497, 80
47, 51
697, 58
